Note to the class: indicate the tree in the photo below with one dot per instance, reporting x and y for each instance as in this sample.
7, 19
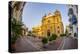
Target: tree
44, 40
53, 37
16, 32
16, 28
62, 35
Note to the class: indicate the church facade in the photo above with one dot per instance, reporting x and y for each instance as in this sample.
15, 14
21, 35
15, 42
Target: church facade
50, 24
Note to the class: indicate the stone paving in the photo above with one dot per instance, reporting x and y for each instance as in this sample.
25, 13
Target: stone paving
30, 44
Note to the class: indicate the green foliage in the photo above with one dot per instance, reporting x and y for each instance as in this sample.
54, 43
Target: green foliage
16, 29
13, 39
53, 37
50, 39
44, 40
62, 35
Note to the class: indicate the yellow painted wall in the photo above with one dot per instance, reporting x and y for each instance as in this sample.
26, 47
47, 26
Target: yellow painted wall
52, 23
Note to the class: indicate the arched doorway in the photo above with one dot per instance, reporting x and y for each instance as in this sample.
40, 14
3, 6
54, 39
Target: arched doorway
48, 32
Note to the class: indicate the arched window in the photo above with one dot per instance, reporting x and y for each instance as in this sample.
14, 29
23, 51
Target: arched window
58, 27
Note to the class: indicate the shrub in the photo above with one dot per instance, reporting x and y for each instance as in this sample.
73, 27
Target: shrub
13, 39
50, 39
44, 40
62, 35
53, 37
16, 29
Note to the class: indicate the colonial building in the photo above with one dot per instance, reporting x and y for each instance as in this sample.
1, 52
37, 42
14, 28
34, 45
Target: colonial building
37, 31
51, 24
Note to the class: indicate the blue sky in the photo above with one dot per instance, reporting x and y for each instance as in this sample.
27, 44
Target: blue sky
33, 13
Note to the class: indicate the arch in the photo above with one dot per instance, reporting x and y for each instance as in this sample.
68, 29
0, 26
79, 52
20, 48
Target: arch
16, 9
